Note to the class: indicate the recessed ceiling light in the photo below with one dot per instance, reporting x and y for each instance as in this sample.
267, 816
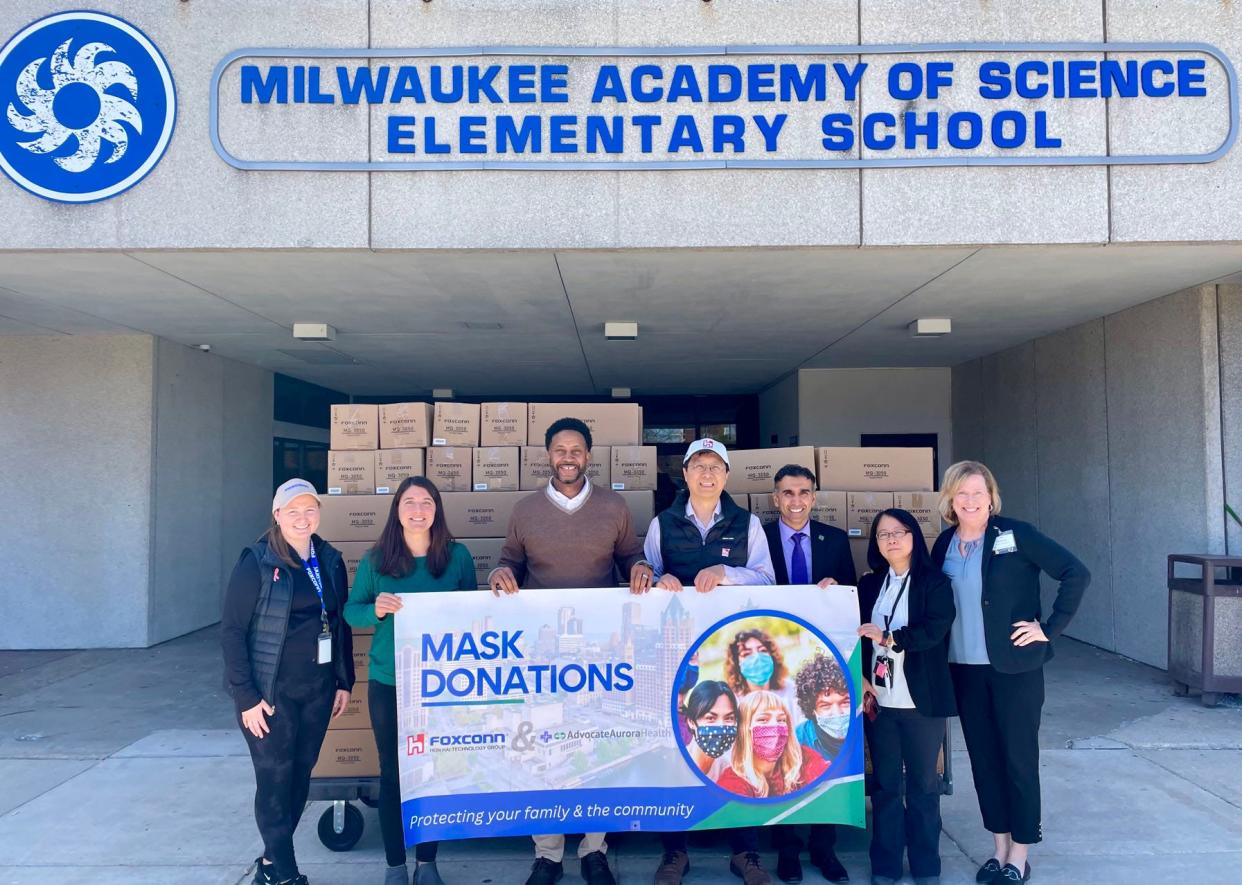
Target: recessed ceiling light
620, 331
314, 332
930, 327
621, 393
442, 393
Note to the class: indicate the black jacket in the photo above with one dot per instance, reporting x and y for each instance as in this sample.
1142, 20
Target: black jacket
830, 553
685, 552
924, 640
1011, 590
256, 619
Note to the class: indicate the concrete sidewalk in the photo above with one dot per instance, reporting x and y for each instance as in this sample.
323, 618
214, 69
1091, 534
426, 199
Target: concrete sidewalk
125, 767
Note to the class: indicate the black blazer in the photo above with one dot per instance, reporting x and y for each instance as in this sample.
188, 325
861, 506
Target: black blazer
1011, 590
925, 638
830, 553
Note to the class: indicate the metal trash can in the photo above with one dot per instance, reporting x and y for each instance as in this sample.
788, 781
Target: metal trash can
1205, 626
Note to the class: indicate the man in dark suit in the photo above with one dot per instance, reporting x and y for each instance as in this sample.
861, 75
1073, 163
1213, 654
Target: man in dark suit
806, 552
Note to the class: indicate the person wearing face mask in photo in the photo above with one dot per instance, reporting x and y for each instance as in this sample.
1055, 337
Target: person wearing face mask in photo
711, 719
753, 663
907, 608
767, 761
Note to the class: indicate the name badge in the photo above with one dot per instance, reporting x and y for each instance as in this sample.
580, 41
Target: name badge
1004, 543
325, 648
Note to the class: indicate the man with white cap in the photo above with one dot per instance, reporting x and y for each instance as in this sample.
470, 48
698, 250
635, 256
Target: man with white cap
707, 540
704, 538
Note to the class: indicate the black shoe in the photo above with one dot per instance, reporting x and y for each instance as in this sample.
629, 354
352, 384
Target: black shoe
1010, 874
832, 869
989, 872
595, 869
263, 873
788, 866
545, 872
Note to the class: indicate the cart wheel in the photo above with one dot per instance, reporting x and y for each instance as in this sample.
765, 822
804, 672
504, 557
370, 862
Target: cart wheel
1209, 698
1181, 689
351, 829
369, 802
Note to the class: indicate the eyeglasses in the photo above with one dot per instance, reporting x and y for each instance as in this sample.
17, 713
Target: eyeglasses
706, 468
891, 536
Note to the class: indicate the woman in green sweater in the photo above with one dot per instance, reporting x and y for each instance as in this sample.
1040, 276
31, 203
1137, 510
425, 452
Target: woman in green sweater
415, 554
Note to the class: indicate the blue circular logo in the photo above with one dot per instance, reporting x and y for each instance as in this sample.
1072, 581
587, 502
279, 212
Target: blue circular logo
88, 107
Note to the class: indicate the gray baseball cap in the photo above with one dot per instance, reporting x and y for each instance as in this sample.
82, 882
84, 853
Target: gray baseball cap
291, 489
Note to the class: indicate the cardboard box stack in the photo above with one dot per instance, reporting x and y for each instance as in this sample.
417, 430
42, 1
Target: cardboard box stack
483, 458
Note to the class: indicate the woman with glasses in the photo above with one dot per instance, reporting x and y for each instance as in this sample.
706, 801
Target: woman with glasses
997, 650
906, 604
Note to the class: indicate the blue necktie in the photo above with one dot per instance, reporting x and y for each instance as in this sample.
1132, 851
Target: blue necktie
797, 571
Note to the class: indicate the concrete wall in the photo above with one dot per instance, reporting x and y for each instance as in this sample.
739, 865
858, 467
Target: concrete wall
1229, 328
75, 482
1108, 436
132, 471
193, 199
836, 406
213, 475
778, 412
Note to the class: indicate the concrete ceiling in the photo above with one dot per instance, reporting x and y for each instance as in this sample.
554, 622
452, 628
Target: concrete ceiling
490, 323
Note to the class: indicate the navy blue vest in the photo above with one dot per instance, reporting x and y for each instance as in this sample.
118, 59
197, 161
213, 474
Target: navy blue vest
685, 553
270, 621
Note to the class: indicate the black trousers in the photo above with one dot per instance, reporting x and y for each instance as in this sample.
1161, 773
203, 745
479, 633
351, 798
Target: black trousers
382, 702
905, 741
1000, 722
283, 759
741, 840
823, 839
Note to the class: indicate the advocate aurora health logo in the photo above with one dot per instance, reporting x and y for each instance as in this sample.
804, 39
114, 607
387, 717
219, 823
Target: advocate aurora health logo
88, 106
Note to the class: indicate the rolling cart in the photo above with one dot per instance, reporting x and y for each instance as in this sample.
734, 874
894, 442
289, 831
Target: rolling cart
341, 824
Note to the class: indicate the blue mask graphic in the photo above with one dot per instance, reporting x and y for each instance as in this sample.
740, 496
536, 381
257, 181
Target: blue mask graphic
758, 668
835, 725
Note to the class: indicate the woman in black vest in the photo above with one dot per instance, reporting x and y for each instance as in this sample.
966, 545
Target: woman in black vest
288, 662
997, 650
906, 605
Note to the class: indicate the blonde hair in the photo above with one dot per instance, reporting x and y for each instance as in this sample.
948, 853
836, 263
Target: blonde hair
743, 763
954, 477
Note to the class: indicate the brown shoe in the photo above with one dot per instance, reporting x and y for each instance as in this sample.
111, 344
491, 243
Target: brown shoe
672, 867
746, 867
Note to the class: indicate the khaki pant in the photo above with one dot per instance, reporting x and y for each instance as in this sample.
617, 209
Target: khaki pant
553, 847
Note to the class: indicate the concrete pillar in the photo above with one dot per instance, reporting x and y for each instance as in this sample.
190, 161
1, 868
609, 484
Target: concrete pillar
1229, 328
132, 471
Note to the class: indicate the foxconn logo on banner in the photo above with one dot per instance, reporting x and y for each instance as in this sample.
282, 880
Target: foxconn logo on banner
416, 744
88, 106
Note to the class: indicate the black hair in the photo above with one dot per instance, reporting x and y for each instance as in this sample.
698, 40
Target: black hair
704, 697
920, 560
794, 470
573, 424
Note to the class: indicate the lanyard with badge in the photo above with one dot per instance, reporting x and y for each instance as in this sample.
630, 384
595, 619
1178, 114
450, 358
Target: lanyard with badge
325, 636
883, 669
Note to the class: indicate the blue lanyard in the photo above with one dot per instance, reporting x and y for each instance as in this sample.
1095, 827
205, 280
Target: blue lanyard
312, 571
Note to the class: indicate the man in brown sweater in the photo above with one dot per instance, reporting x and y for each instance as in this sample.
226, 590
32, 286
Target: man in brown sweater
570, 534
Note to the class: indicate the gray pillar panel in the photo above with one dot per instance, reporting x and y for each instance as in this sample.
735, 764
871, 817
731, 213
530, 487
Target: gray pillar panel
247, 460
185, 562
1229, 304
1008, 383
968, 411
1164, 455
75, 457
1072, 426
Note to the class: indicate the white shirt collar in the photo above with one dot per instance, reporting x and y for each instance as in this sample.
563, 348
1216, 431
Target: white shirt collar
564, 501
